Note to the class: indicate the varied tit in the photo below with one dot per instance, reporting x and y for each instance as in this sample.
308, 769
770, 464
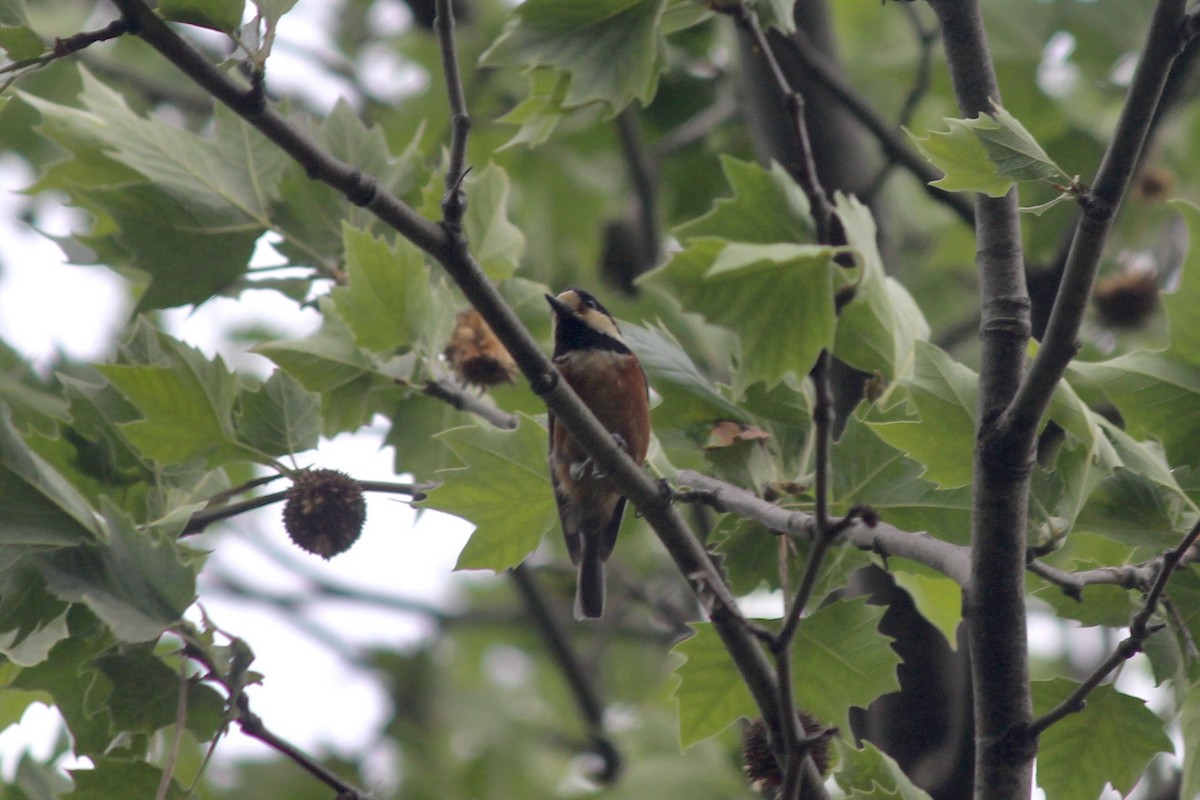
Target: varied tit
593, 358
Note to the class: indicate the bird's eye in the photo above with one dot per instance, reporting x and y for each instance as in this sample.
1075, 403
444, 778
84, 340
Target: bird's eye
591, 303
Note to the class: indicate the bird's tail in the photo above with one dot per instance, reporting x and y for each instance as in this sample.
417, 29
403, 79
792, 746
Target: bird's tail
589, 589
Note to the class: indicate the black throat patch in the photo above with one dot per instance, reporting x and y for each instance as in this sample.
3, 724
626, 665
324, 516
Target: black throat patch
572, 333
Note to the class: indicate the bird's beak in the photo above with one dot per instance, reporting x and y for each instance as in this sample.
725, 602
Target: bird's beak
560, 310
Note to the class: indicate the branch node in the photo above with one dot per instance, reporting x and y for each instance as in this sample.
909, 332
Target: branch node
364, 189
545, 383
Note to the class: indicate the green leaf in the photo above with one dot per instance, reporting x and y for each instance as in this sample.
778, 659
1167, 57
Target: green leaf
839, 660
867, 470
32, 620
504, 491
878, 330
869, 772
388, 297
220, 15
1157, 395
583, 41
688, 396
1189, 725
766, 207
941, 392
1110, 741
110, 777
185, 210
17, 39
539, 114
495, 242
937, 598
988, 154
778, 298
281, 417
710, 693
330, 363
186, 405
1183, 304
136, 582
41, 507
145, 695
777, 14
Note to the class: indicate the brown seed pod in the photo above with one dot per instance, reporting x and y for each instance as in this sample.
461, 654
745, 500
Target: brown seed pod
476, 355
1127, 299
324, 512
759, 762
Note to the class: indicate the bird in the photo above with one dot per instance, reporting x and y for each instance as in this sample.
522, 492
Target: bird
593, 358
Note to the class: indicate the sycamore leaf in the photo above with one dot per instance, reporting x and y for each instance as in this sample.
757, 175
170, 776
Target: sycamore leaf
1157, 395
871, 773
988, 154
941, 392
504, 491
766, 207
688, 396
878, 330
112, 777
41, 507
32, 620
778, 298
1110, 741
539, 113
1189, 723
1183, 304
495, 242
17, 39
584, 41
839, 660
330, 363
145, 694
387, 300
220, 15
777, 14
938, 599
135, 581
868, 470
280, 417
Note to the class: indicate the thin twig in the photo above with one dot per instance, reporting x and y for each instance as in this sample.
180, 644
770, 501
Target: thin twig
1140, 630
63, 48
805, 172
202, 519
252, 725
721, 110
464, 400
643, 179
454, 203
894, 145
582, 686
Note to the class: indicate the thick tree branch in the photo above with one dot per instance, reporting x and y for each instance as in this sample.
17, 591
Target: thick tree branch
643, 179
1166, 39
994, 599
687, 552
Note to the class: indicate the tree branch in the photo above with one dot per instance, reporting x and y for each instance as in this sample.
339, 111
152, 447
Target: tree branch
643, 179
1140, 630
464, 400
63, 48
949, 559
554, 634
1165, 40
994, 598
687, 552
454, 204
894, 145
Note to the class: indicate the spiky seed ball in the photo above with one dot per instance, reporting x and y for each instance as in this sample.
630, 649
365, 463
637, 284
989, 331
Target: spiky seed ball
759, 762
476, 355
325, 511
